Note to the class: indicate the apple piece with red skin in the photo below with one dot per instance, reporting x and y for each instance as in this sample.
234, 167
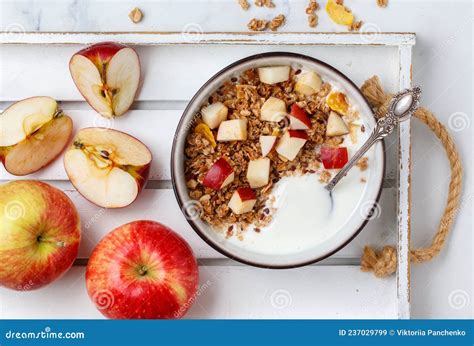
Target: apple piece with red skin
291, 143
299, 120
33, 132
334, 157
142, 270
219, 175
266, 144
40, 232
107, 74
108, 167
242, 200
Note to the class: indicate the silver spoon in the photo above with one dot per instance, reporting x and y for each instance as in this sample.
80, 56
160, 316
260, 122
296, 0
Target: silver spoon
402, 106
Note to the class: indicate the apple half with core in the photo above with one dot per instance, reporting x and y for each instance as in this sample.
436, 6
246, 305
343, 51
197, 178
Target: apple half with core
243, 200
33, 132
108, 167
107, 74
142, 270
291, 143
40, 234
219, 175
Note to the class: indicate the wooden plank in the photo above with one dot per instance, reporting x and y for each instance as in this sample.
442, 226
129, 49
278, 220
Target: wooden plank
161, 205
155, 128
168, 73
404, 194
166, 38
233, 292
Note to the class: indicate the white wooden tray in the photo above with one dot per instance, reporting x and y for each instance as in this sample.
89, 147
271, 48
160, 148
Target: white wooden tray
174, 66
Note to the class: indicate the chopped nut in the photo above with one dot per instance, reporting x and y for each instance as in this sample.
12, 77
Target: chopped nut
363, 163
312, 20
355, 26
191, 184
136, 15
312, 7
257, 24
277, 22
382, 3
244, 4
266, 3
324, 177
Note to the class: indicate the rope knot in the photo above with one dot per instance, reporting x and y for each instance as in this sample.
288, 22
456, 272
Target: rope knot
381, 263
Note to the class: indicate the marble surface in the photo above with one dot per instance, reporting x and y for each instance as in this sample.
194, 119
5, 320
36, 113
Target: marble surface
442, 65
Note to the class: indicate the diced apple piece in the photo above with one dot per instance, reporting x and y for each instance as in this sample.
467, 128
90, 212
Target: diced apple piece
299, 120
274, 74
333, 157
219, 175
214, 114
266, 144
308, 83
107, 167
273, 109
243, 200
290, 143
336, 125
232, 130
258, 172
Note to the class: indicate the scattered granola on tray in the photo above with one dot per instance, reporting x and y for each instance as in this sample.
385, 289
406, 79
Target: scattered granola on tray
267, 124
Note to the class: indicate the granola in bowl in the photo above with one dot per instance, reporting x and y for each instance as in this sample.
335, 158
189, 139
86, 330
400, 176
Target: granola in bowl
302, 105
254, 149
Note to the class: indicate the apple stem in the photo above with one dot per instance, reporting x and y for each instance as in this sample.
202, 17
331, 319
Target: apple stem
143, 270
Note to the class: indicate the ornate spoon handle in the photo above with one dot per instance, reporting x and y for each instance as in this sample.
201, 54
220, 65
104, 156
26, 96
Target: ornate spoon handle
384, 127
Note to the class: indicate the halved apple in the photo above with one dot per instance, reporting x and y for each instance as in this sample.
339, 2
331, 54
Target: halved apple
107, 74
33, 132
107, 167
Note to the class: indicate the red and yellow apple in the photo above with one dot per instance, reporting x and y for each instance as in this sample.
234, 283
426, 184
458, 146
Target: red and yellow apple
299, 120
291, 143
108, 167
107, 74
39, 234
242, 200
33, 132
219, 175
142, 270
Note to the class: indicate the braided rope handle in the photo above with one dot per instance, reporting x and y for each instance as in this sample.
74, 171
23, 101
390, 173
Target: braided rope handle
384, 262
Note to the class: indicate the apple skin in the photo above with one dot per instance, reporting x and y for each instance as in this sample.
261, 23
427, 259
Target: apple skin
30, 210
246, 194
142, 270
101, 53
298, 134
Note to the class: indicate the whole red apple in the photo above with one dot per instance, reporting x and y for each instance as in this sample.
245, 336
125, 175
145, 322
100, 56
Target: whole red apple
142, 270
39, 234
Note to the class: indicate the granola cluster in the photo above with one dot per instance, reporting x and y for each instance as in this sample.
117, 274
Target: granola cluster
243, 98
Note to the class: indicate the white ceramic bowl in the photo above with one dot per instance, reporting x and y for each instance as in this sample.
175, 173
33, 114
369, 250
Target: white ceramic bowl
356, 219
